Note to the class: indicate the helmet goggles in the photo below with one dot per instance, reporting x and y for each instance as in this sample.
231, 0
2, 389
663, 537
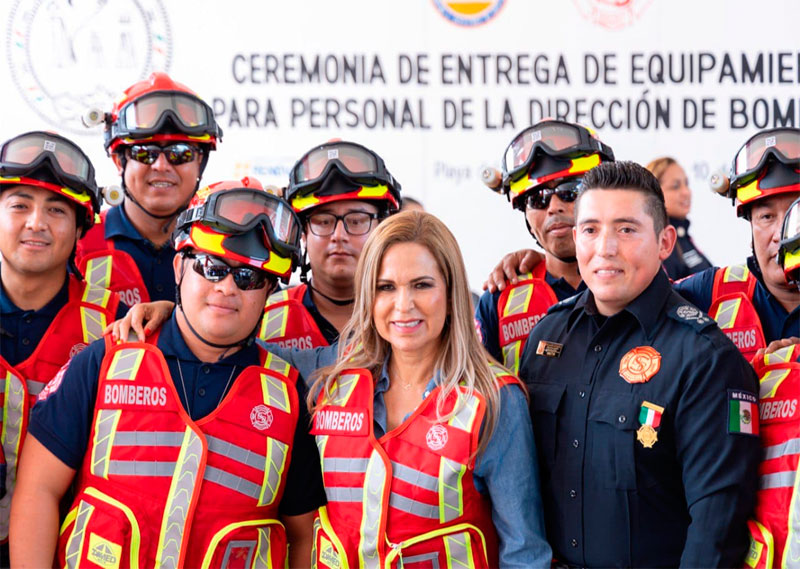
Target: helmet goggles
782, 144
23, 155
554, 138
241, 210
789, 252
151, 114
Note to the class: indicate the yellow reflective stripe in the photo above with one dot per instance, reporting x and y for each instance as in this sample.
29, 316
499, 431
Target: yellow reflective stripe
757, 548
277, 264
584, 163
78, 196
372, 501
221, 534
342, 389
74, 546
263, 560
11, 438
451, 494
458, 549
274, 464
781, 356
511, 356
748, 192
207, 240
518, 300
136, 537
791, 260
104, 429
727, 312
378, 191
96, 295
770, 381
98, 271
125, 364
465, 416
397, 549
274, 325
274, 391
93, 322
519, 186
182, 487
325, 522
735, 274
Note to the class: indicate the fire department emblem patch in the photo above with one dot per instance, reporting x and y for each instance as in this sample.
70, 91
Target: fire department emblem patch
640, 364
261, 417
436, 437
77, 348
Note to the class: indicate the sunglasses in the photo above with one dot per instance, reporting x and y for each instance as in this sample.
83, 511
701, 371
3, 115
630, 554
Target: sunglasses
176, 154
214, 269
567, 192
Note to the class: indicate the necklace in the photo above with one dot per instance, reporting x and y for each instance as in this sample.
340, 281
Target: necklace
186, 397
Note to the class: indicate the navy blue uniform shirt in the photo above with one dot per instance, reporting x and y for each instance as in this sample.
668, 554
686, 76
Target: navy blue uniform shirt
22, 330
776, 322
489, 322
63, 421
154, 263
608, 500
685, 259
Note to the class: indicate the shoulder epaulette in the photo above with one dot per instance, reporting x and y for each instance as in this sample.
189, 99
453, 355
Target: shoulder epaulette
564, 304
691, 316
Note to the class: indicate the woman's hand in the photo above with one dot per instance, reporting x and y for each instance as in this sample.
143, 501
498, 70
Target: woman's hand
151, 313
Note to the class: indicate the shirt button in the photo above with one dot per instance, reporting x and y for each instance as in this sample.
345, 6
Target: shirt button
575, 443
582, 394
201, 392
622, 418
25, 341
598, 348
206, 370
572, 493
28, 318
574, 543
159, 287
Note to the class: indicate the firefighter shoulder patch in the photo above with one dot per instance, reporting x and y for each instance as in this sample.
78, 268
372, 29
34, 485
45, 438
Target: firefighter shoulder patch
691, 316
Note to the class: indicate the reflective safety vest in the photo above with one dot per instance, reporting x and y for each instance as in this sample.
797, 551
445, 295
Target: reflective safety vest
80, 322
157, 489
288, 323
732, 308
407, 498
107, 267
519, 308
775, 531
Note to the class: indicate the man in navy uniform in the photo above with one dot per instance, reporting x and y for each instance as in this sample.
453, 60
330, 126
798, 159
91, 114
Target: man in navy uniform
645, 413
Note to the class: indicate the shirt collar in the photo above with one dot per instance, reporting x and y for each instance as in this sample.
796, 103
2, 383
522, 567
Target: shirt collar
117, 224
56, 303
172, 344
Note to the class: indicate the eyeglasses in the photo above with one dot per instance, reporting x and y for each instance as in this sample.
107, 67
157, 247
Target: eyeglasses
355, 223
176, 154
566, 191
214, 269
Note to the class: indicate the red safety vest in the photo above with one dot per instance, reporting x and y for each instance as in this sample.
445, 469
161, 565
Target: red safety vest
288, 323
79, 322
732, 308
157, 489
519, 308
407, 498
108, 267
775, 531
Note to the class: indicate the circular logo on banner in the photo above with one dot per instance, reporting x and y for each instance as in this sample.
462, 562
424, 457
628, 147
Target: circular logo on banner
261, 417
469, 13
436, 437
612, 14
67, 57
640, 364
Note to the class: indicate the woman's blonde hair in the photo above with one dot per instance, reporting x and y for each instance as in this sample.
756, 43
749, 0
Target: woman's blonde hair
461, 358
658, 166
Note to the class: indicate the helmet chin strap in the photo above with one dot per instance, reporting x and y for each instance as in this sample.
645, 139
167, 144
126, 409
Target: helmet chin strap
335, 301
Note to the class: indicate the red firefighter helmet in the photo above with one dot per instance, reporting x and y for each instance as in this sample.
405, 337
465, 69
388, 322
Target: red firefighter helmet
239, 220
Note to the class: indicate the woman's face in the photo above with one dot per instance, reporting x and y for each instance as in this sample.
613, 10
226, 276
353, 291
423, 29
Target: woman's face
677, 195
410, 300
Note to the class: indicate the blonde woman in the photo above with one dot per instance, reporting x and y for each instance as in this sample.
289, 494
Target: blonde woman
425, 441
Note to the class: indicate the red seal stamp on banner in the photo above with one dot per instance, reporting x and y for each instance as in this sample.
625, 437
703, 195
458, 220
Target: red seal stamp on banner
640, 364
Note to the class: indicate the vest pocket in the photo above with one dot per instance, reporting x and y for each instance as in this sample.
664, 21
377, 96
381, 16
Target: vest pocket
99, 530
461, 545
251, 543
327, 552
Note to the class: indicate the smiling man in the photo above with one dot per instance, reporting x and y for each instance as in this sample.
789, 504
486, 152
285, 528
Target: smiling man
645, 414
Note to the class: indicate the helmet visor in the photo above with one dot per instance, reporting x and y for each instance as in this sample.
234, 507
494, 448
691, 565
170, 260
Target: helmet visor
29, 150
354, 160
147, 114
790, 234
784, 144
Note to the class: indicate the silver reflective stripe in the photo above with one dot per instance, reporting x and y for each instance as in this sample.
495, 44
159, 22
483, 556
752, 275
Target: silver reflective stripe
75, 542
779, 356
343, 389
273, 469
791, 552
458, 547
148, 438
450, 495
276, 395
274, 363
94, 294
103, 440
232, 482
726, 313
783, 479
11, 438
94, 322
415, 477
344, 493
126, 360
463, 418
34, 387
374, 482
98, 271
273, 323
239, 546
413, 507
140, 468
429, 559
181, 491
237, 453
334, 464
769, 381
736, 273
262, 560
792, 446
517, 300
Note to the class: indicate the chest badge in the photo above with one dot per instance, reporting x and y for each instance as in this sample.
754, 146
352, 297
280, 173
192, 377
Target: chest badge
549, 349
650, 419
640, 364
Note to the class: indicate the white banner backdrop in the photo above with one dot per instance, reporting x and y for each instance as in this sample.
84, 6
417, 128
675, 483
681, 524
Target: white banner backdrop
437, 96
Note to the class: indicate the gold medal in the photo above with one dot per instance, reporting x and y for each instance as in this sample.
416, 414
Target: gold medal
647, 435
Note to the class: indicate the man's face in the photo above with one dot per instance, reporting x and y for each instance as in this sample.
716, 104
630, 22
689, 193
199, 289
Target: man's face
160, 187
552, 226
37, 229
618, 251
334, 257
766, 221
220, 312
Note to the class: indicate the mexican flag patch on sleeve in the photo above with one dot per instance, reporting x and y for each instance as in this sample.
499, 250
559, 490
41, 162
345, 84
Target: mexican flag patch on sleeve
742, 412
